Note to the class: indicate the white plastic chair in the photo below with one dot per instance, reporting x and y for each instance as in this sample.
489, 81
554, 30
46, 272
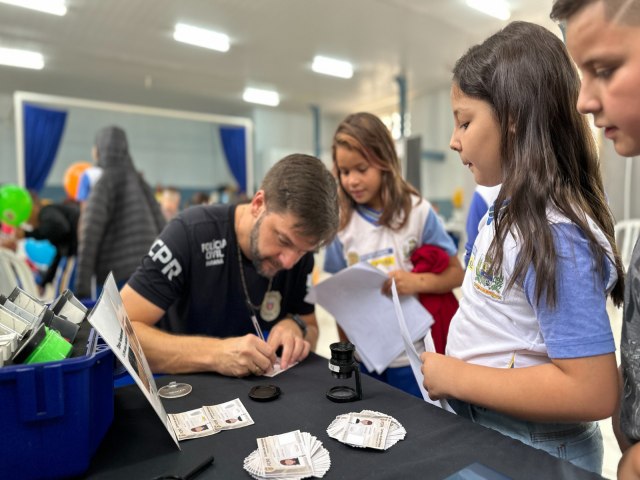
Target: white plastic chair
8, 279
16, 271
627, 233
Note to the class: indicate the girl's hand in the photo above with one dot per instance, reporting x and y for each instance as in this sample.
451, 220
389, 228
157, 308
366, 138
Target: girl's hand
406, 283
439, 371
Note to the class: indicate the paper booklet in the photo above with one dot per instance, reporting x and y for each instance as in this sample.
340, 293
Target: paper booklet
353, 296
110, 319
414, 357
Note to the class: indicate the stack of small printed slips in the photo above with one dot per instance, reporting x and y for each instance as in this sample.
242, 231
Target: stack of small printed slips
367, 429
293, 455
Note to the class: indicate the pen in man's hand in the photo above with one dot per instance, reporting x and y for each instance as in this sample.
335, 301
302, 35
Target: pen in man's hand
256, 325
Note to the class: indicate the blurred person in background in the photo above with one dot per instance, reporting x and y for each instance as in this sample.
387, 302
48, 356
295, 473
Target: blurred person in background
170, 202
199, 198
55, 222
121, 218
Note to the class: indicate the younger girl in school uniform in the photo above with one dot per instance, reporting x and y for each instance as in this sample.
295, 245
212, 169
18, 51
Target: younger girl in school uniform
383, 220
530, 350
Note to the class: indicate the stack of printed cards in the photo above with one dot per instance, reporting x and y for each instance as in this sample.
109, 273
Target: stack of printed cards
293, 455
367, 429
210, 419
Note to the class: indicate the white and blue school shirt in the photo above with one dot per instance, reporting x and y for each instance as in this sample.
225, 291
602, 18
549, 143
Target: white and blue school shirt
363, 239
504, 328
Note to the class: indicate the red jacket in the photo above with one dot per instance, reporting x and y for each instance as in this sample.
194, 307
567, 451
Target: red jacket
441, 306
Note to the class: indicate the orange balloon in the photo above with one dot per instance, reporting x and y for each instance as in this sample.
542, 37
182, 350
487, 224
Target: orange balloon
72, 177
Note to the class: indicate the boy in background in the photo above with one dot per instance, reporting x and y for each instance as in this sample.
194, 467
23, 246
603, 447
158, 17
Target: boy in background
603, 37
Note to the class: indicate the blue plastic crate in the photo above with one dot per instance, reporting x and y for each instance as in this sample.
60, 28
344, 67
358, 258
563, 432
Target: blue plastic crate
54, 415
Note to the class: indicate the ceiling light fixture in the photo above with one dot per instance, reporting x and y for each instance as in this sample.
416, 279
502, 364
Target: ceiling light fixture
331, 66
495, 8
262, 97
21, 58
201, 37
54, 7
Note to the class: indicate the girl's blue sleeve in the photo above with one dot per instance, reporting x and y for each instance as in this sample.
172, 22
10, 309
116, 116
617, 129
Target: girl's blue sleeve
579, 325
334, 260
435, 234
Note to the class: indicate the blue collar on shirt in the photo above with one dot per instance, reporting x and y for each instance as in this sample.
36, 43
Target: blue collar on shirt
369, 214
492, 212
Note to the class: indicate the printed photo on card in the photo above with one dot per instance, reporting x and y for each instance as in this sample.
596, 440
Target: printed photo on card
192, 424
229, 415
367, 430
284, 455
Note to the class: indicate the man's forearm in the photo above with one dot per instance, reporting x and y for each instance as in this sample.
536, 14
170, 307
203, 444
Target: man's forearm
169, 353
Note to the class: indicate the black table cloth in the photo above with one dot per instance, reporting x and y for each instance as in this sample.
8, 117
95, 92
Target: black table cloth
436, 445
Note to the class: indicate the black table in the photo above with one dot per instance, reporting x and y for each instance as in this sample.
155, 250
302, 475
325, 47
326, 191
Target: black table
437, 443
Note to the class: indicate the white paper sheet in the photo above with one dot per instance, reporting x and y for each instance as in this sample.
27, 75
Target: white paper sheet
367, 316
414, 358
111, 321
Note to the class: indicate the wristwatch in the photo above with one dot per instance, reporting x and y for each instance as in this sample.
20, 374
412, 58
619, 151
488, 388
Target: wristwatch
301, 323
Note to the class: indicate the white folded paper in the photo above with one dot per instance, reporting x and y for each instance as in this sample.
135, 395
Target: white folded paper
414, 358
353, 296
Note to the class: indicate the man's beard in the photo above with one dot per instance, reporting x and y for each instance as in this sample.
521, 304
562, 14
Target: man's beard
258, 260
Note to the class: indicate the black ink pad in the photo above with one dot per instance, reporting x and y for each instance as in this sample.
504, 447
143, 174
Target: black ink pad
264, 393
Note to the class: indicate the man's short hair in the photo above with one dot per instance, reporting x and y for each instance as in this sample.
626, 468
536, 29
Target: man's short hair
301, 185
623, 11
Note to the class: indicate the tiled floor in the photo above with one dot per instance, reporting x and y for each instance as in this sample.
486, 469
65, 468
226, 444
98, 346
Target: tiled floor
329, 334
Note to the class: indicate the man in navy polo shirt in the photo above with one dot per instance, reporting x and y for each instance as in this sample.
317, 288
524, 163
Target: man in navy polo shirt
219, 273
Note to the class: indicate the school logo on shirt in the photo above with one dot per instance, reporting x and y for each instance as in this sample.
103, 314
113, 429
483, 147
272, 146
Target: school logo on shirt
484, 281
214, 252
408, 248
160, 253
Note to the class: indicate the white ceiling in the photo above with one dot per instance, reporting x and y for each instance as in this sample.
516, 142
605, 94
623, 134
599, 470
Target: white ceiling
123, 50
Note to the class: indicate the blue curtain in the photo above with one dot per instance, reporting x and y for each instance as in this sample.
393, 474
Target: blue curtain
235, 149
43, 129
